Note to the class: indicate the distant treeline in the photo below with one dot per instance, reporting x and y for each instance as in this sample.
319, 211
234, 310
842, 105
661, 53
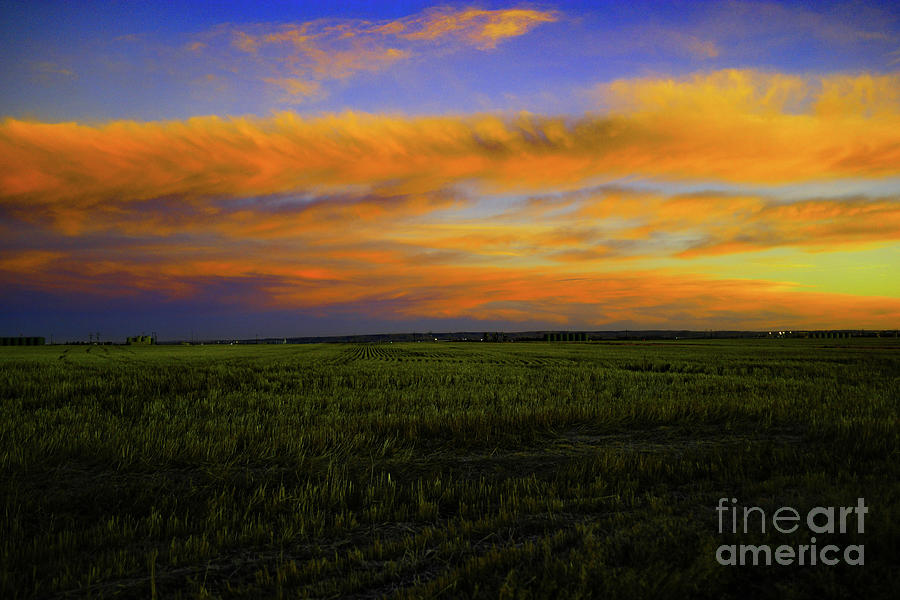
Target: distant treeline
555, 336
22, 341
500, 336
566, 336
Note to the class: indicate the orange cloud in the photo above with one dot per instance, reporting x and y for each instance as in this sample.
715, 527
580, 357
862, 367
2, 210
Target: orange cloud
480, 28
414, 290
730, 126
727, 93
299, 57
609, 226
295, 89
865, 96
551, 260
28, 261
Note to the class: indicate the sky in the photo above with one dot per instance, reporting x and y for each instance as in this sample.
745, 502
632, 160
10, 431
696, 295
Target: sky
278, 169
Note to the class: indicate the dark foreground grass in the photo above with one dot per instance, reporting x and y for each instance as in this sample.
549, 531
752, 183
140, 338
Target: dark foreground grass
441, 470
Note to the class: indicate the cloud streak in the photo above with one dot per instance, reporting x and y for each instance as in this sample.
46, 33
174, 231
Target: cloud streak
735, 126
299, 58
398, 292
584, 258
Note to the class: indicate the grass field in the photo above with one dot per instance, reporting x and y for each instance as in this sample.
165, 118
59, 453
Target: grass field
423, 470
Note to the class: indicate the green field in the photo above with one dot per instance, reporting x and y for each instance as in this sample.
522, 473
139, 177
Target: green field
424, 470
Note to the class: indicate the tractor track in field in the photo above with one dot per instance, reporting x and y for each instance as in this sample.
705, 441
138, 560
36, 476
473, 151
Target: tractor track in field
241, 565
387, 354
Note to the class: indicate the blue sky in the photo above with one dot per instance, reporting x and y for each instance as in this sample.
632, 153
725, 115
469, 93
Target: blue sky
97, 61
291, 168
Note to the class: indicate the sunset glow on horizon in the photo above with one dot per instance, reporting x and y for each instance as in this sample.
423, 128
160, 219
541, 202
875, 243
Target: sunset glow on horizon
235, 169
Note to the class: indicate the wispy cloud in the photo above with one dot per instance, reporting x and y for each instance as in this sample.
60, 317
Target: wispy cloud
842, 23
44, 69
483, 29
732, 126
416, 290
554, 259
299, 57
738, 32
614, 224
